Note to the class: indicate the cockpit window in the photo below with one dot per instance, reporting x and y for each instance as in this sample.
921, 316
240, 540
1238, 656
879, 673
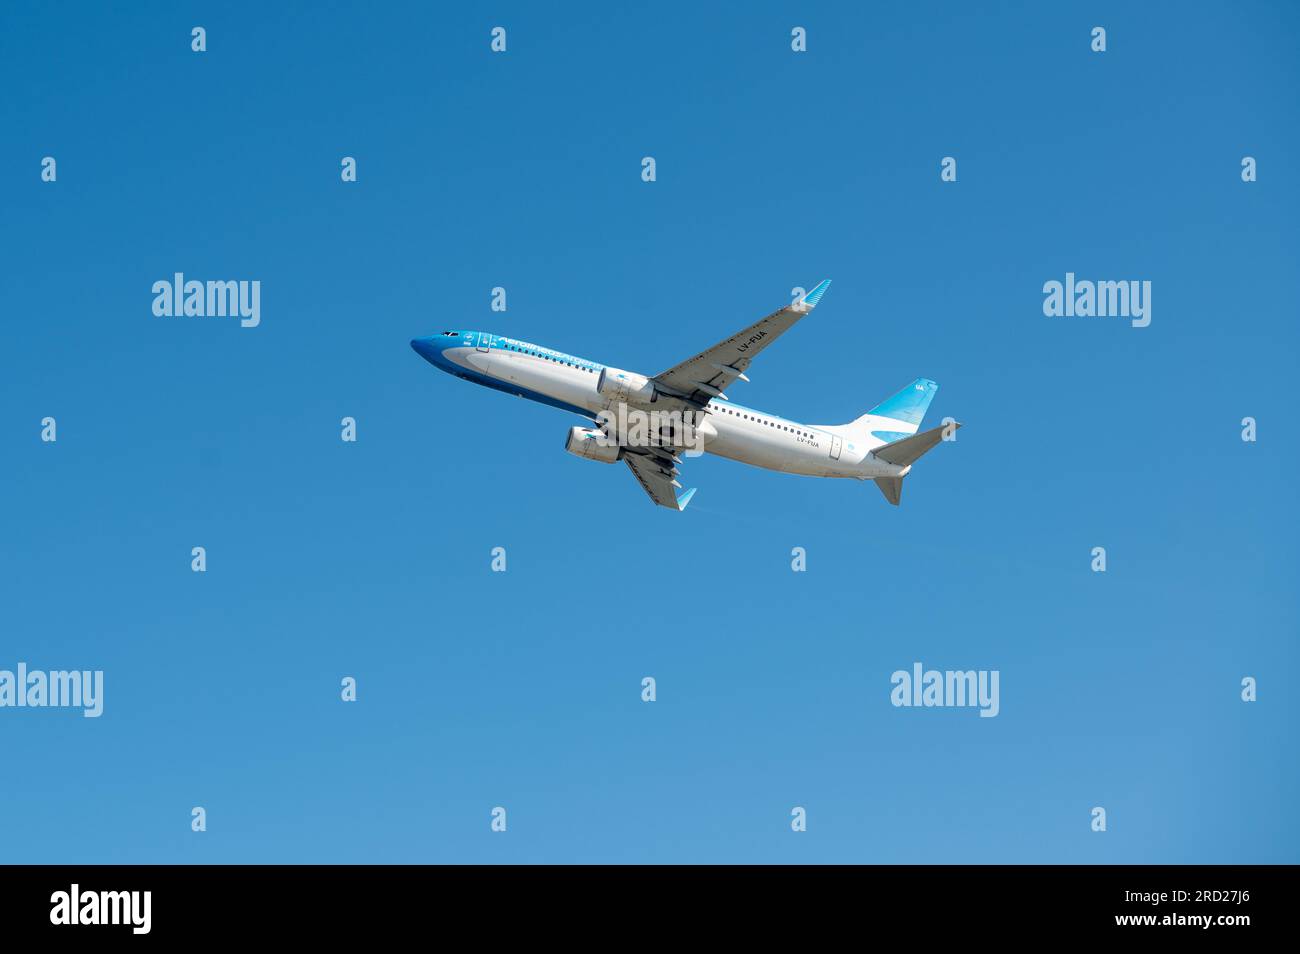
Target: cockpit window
450, 334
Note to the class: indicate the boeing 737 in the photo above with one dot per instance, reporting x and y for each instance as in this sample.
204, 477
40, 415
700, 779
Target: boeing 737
687, 409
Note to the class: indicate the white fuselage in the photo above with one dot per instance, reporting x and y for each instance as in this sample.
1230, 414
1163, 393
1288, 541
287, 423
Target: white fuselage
729, 430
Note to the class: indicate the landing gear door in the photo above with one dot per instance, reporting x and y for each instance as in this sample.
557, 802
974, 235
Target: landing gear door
835, 447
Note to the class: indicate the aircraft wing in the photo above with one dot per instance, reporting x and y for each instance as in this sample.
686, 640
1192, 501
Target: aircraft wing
656, 472
709, 373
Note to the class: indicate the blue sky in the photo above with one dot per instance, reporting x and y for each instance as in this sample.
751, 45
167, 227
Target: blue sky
522, 689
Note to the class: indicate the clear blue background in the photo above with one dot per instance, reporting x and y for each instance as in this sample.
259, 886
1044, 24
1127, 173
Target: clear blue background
522, 689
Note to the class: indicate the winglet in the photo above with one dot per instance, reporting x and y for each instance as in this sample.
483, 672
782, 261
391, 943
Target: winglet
685, 498
815, 295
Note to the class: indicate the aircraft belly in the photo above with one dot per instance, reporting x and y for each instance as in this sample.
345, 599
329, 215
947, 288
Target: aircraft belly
754, 449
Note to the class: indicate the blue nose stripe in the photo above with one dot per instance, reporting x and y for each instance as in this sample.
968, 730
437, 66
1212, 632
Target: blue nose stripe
425, 348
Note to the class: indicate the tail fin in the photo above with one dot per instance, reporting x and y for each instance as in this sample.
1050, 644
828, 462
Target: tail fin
895, 417
904, 453
908, 405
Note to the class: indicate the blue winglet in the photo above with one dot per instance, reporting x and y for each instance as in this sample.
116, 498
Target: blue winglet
813, 297
685, 498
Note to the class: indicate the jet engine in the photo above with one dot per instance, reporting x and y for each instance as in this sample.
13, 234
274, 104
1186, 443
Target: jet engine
625, 386
591, 444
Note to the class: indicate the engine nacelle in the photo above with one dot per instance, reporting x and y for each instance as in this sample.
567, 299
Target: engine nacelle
625, 386
591, 444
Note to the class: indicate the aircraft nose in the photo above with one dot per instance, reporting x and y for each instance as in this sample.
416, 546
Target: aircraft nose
425, 348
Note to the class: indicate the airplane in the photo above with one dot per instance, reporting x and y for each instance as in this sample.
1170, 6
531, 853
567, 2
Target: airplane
880, 445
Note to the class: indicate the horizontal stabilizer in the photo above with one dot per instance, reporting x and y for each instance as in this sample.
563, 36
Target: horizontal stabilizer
909, 449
